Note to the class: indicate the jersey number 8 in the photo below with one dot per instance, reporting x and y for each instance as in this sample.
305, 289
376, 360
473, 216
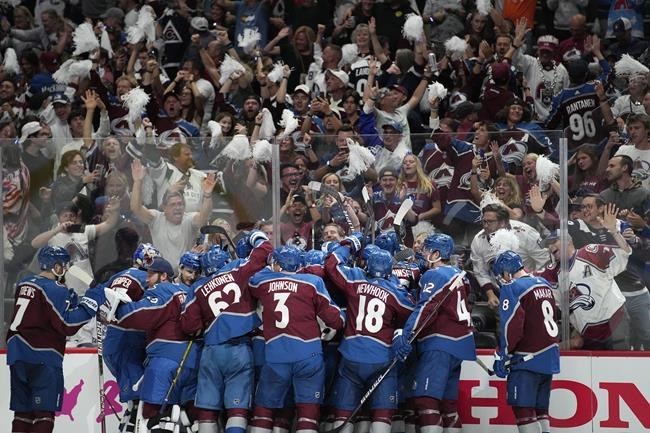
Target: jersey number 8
371, 315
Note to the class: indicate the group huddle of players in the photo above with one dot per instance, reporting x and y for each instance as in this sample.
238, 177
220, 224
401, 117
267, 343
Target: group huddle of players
268, 338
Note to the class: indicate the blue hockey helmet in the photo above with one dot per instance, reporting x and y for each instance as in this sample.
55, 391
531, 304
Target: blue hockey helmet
144, 255
388, 241
313, 257
288, 257
507, 261
243, 247
440, 242
49, 256
214, 259
380, 264
369, 250
191, 260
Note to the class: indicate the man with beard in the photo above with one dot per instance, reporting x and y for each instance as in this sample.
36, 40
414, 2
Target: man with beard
545, 77
297, 230
249, 112
387, 202
173, 230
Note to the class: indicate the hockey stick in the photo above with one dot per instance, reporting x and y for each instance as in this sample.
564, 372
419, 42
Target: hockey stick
490, 372
81, 275
210, 229
399, 217
414, 334
100, 362
163, 407
370, 210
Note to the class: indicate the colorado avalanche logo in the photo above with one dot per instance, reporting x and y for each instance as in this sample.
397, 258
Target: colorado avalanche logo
442, 176
641, 170
580, 297
513, 152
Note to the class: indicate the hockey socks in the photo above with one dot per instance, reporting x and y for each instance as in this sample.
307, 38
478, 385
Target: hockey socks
22, 422
43, 422
526, 420
429, 414
450, 419
308, 416
237, 420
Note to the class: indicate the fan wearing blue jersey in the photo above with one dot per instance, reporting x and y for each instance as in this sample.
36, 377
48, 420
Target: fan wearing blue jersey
376, 306
45, 312
529, 354
222, 309
445, 337
291, 303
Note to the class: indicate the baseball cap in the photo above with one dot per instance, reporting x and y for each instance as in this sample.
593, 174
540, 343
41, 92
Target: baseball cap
500, 71
28, 129
302, 88
387, 171
116, 13
395, 125
50, 61
341, 75
60, 98
161, 265
621, 25
551, 237
400, 89
200, 24
547, 42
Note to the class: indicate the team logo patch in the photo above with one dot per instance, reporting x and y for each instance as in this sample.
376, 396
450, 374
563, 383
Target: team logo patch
592, 248
317, 394
236, 401
580, 297
153, 300
37, 400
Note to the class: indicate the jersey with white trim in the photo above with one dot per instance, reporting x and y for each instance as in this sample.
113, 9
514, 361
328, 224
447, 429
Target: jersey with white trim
446, 326
408, 276
158, 314
578, 110
359, 74
376, 307
291, 303
528, 326
221, 305
594, 296
45, 313
117, 339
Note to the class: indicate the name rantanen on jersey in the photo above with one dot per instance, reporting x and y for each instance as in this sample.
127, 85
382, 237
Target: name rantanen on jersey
582, 103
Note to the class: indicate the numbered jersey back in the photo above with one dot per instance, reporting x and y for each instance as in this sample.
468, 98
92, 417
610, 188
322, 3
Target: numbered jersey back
577, 111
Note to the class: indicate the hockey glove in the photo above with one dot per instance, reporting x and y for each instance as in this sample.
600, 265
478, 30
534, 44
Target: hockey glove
113, 299
401, 346
501, 364
355, 241
93, 298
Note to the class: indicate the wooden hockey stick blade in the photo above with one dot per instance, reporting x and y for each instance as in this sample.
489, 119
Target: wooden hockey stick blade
81, 275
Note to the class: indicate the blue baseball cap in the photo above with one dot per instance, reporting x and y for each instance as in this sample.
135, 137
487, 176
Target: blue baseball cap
161, 265
60, 98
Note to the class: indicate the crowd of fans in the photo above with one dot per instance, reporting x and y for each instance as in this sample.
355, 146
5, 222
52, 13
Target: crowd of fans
83, 171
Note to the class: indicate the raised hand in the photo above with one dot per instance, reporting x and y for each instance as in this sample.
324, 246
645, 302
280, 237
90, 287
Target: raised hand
138, 171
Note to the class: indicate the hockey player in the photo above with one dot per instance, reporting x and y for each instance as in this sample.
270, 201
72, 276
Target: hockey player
292, 303
46, 311
158, 314
528, 328
596, 303
123, 349
189, 268
444, 340
377, 306
223, 310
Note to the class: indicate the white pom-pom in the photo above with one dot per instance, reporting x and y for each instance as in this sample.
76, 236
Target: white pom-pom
628, 65
228, 66
483, 7
288, 122
215, 132
10, 62
267, 128
81, 69
84, 39
276, 73
144, 27
503, 240
238, 149
62, 75
135, 102
437, 90
105, 42
546, 170
360, 158
249, 40
456, 47
262, 151
349, 54
489, 198
413, 29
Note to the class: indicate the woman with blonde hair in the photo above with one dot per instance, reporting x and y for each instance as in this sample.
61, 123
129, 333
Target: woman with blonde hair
415, 184
507, 190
